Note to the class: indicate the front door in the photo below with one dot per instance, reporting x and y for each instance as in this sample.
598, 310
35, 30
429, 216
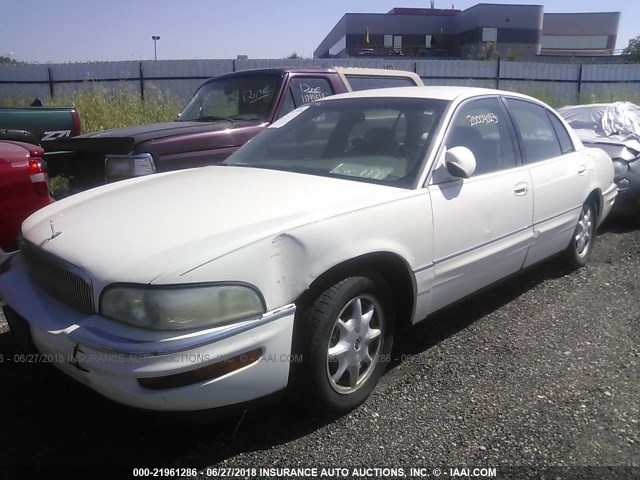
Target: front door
483, 224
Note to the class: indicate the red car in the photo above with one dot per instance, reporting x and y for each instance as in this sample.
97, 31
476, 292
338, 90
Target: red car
24, 188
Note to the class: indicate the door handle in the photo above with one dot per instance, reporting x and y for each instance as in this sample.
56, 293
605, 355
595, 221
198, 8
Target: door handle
521, 189
582, 170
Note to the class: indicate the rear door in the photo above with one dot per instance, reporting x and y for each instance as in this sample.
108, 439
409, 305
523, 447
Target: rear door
558, 174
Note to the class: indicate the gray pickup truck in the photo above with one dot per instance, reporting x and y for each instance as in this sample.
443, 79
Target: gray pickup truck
224, 113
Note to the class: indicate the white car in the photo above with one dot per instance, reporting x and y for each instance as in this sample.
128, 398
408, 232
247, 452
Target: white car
290, 267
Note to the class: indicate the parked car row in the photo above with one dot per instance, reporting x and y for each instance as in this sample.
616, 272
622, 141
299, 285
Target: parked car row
224, 113
227, 111
289, 267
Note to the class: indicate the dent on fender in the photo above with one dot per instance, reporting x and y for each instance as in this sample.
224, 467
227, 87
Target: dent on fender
287, 255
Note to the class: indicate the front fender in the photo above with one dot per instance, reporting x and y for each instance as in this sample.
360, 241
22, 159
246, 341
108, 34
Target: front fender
283, 265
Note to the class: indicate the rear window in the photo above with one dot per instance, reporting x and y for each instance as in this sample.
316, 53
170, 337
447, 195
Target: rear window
361, 82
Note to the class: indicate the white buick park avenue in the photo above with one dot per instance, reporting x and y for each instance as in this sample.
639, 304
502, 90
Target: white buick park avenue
290, 267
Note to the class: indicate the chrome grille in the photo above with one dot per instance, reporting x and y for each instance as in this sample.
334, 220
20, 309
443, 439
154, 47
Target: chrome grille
61, 280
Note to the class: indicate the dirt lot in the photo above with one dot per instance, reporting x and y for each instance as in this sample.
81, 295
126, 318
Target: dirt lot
542, 371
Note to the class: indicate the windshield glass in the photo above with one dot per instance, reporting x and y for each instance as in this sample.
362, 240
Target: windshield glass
378, 140
236, 98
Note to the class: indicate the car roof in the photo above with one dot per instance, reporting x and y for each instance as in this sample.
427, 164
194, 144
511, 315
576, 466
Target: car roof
448, 93
272, 71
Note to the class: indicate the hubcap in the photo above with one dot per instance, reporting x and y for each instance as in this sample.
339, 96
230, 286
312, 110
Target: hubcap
355, 344
584, 232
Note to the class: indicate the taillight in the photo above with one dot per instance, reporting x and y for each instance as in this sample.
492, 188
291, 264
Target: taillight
39, 176
77, 126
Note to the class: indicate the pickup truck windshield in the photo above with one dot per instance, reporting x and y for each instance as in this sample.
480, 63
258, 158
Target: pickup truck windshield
238, 98
375, 140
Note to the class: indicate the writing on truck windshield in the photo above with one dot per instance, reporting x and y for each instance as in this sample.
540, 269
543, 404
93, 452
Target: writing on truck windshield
237, 98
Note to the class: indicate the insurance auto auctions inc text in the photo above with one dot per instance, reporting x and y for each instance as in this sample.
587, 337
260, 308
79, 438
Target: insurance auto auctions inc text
348, 472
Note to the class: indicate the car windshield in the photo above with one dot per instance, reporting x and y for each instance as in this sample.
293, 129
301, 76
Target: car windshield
237, 98
378, 140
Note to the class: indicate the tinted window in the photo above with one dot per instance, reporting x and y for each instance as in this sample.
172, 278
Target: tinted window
307, 90
563, 136
484, 128
539, 140
288, 105
366, 139
359, 82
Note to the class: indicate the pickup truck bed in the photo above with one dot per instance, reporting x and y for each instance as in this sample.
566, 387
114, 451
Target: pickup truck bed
38, 125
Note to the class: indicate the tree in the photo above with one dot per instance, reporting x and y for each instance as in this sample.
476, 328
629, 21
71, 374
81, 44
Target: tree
633, 49
294, 56
7, 60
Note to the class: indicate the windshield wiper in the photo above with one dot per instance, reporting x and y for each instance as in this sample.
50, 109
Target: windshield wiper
211, 118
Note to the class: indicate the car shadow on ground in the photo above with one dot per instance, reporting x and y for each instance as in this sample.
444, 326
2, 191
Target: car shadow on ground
618, 225
453, 319
50, 420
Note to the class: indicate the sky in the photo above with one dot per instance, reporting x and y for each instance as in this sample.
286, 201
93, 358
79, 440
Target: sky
58, 31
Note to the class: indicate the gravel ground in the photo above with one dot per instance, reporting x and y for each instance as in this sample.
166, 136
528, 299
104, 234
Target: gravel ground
542, 371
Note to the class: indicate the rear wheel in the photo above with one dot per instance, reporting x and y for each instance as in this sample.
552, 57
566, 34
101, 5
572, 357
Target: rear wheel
580, 248
346, 335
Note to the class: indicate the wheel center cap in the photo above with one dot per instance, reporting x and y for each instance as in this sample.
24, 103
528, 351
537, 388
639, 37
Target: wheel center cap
357, 343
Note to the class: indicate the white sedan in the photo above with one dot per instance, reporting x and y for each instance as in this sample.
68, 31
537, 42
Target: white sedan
291, 267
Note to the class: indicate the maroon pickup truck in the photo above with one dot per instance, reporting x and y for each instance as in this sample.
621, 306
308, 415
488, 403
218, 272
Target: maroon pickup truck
225, 113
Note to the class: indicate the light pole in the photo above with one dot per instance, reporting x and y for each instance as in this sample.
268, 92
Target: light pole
155, 39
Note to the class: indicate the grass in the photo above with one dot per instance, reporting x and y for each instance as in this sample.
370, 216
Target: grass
604, 95
102, 109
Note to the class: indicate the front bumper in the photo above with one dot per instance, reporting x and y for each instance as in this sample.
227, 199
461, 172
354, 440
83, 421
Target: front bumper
116, 360
628, 200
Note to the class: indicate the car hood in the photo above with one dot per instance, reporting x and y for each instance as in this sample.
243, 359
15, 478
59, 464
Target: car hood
591, 137
123, 140
140, 229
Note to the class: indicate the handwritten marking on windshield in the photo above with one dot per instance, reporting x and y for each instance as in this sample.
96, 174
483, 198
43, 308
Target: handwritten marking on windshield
482, 118
311, 94
253, 96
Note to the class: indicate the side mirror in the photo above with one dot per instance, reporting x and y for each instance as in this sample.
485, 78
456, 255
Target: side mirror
460, 162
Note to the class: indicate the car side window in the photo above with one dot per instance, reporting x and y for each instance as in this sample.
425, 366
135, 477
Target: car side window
483, 126
537, 135
363, 82
309, 89
563, 136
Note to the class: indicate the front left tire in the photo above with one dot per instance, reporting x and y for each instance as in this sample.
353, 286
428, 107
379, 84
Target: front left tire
346, 336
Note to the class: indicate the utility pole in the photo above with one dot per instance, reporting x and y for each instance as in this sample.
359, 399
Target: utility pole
155, 39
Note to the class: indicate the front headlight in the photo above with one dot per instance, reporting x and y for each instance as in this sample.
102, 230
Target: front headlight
620, 167
120, 167
180, 307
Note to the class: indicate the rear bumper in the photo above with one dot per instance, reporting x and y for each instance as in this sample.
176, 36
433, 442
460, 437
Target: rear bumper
10, 223
182, 371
